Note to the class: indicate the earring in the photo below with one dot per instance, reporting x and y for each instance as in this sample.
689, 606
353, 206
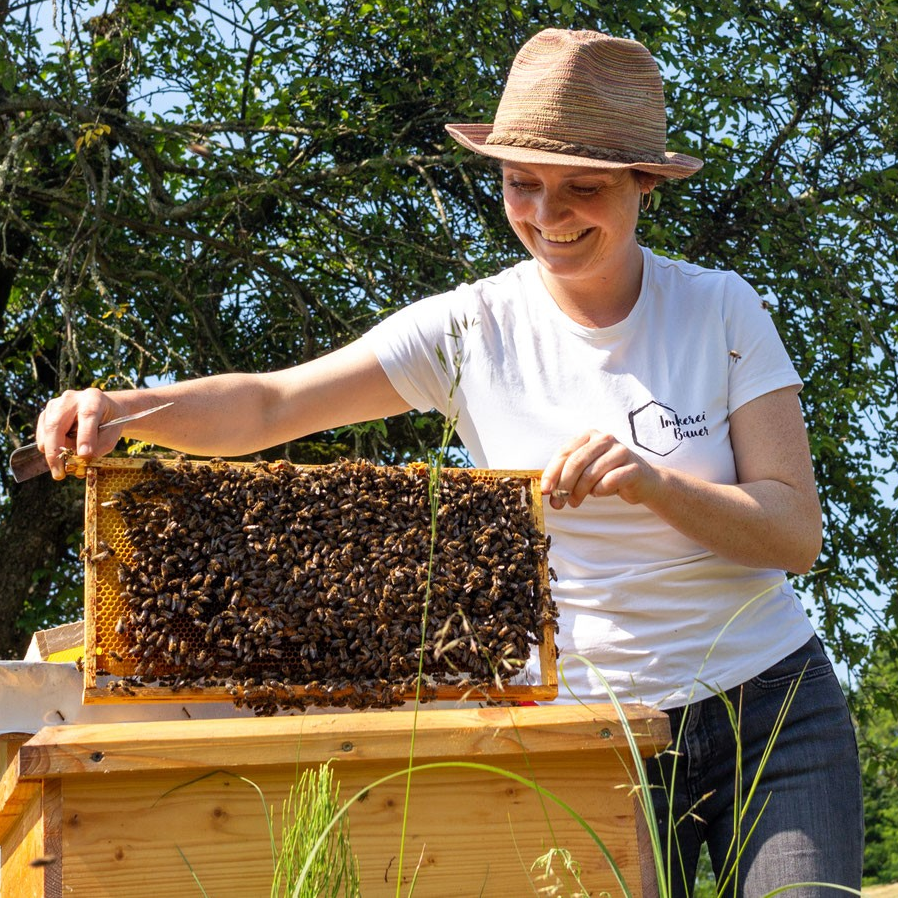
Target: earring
646, 203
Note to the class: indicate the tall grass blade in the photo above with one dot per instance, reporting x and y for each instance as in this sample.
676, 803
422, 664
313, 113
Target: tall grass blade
196, 878
435, 467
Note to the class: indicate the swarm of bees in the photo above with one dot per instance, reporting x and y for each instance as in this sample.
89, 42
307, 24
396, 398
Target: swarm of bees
266, 578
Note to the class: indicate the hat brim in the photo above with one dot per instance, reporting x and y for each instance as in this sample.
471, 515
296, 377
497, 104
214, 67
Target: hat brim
473, 136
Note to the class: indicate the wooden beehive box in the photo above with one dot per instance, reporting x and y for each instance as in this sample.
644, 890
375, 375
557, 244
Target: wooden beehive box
110, 643
134, 809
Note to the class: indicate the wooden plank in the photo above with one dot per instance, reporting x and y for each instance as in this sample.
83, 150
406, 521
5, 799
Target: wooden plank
52, 838
10, 743
15, 796
97, 695
469, 831
31, 840
60, 641
91, 538
647, 871
21, 841
476, 733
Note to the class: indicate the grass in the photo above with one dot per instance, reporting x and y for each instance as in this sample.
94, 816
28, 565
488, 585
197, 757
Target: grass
309, 809
436, 460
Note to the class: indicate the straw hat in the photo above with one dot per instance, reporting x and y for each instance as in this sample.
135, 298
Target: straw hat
581, 98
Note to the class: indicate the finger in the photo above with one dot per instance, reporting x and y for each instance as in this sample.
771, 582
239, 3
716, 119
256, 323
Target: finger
558, 498
87, 440
52, 435
90, 408
39, 431
54, 462
589, 465
550, 482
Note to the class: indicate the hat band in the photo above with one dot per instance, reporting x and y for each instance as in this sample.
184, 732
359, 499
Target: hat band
528, 141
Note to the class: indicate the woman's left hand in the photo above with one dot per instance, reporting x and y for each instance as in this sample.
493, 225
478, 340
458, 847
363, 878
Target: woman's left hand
596, 464
769, 518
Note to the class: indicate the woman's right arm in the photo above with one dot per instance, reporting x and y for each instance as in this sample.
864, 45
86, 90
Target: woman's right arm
226, 414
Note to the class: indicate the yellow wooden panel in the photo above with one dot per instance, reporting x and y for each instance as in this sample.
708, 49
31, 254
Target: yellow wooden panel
476, 733
10, 743
20, 844
472, 833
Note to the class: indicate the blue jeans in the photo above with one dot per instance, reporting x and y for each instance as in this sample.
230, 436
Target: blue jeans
811, 829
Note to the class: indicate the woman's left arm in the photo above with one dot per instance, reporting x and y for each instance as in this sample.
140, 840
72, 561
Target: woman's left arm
769, 518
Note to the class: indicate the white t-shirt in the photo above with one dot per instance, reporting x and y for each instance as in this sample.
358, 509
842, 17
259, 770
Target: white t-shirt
664, 620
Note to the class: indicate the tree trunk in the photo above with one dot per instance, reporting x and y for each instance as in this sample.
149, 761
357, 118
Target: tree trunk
34, 531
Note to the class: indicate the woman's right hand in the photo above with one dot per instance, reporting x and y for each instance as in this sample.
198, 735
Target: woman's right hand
226, 414
71, 422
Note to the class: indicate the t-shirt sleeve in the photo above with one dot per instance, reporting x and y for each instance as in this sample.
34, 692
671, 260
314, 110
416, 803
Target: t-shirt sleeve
758, 360
421, 347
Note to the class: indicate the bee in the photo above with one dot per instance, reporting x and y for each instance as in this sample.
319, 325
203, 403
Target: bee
103, 552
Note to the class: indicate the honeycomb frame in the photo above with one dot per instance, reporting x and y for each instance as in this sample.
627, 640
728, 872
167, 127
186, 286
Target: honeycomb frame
108, 546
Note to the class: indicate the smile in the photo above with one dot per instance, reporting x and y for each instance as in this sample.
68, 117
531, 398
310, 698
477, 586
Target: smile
563, 238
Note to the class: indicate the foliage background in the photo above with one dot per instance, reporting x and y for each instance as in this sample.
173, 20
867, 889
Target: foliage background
189, 188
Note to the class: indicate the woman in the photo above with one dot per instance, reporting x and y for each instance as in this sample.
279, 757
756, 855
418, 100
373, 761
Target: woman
664, 411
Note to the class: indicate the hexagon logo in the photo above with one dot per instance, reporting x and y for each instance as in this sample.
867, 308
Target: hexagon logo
654, 428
